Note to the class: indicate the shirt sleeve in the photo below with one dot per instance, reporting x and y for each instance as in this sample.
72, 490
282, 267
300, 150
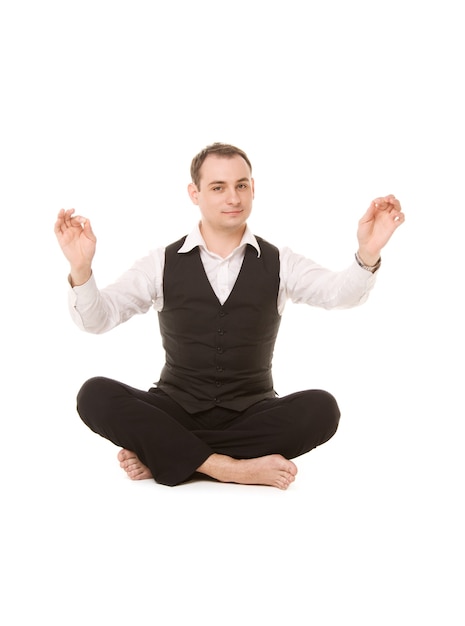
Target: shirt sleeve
136, 291
305, 282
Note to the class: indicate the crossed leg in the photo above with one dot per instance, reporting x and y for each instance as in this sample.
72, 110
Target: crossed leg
272, 470
254, 448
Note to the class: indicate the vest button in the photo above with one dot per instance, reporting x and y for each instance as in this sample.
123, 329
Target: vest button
219, 349
218, 383
220, 331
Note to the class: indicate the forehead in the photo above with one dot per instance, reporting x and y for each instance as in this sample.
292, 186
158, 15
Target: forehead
221, 168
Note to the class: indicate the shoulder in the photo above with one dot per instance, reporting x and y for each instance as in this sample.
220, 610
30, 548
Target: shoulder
175, 245
266, 245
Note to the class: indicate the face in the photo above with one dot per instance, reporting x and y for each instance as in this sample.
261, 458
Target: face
226, 193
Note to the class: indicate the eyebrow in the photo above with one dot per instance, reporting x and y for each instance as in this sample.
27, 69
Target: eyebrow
223, 182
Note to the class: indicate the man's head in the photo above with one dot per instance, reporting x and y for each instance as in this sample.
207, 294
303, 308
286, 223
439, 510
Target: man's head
222, 187
222, 150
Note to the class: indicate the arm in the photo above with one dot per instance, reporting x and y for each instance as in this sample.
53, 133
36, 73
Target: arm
304, 281
134, 292
96, 310
78, 244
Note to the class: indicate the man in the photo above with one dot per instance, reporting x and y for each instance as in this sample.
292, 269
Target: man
219, 294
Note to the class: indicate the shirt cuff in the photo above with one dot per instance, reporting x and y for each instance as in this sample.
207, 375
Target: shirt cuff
86, 293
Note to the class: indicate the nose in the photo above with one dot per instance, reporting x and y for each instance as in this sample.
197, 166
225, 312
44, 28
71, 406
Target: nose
233, 197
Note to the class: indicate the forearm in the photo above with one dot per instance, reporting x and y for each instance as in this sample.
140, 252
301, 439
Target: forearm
341, 290
305, 282
98, 311
88, 309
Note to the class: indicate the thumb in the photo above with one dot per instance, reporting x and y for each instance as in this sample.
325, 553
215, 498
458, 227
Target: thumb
87, 229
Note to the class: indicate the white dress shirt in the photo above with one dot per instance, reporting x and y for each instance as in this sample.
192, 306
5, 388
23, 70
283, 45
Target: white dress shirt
141, 287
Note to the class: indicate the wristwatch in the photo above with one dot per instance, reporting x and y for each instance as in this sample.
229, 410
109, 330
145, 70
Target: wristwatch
369, 268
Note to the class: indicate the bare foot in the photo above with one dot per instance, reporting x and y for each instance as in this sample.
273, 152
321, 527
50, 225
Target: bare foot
133, 467
273, 470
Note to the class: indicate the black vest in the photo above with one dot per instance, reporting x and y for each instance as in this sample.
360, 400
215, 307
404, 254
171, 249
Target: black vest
219, 355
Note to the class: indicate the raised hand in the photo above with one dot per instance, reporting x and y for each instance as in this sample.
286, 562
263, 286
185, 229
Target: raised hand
375, 228
78, 242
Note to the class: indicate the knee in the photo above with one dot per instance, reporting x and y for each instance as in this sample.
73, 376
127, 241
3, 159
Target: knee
91, 388
92, 396
315, 419
329, 410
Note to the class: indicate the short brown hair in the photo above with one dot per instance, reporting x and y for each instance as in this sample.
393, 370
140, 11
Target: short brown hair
218, 149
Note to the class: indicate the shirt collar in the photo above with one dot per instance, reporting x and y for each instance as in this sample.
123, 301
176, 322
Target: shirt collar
194, 238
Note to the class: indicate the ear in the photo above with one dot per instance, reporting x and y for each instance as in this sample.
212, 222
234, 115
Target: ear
253, 188
193, 192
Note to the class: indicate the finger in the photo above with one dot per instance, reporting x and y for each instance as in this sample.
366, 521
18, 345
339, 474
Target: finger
392, 202
387, 203
67, 217
62, 218
381, 204
369, 213
389, 198
78, 220
398, 218
87, 229
59, 222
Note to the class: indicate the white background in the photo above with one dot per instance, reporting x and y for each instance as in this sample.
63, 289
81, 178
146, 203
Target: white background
103, 105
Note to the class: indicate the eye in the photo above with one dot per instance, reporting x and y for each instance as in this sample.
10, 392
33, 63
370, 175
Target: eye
217, 188
242, 186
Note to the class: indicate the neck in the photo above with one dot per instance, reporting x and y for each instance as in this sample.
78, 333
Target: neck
222, 242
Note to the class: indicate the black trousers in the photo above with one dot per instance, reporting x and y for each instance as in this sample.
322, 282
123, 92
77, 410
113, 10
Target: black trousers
174, 443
